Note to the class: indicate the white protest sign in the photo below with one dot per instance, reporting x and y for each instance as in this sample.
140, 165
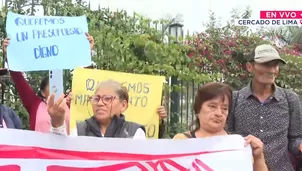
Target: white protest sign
34, 151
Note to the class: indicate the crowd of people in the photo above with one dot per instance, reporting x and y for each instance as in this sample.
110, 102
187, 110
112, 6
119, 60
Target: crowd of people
268, 116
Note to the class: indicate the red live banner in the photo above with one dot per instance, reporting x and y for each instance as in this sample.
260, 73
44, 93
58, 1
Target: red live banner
280, 14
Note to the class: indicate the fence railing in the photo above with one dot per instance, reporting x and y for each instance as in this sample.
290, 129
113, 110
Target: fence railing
183, 118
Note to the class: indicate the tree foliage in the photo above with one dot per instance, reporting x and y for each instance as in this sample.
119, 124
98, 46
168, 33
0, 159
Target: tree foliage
135, 44
125, 43
226, 49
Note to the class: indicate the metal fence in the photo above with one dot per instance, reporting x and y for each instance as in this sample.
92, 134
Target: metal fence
179, 105
180, 108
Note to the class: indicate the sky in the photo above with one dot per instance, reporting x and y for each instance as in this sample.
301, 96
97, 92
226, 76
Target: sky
195, 12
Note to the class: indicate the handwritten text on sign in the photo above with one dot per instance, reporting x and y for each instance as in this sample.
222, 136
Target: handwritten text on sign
47, 40
145, 94
140, 89
31, 151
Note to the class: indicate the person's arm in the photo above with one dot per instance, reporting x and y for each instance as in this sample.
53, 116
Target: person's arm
161, 111
162, 129
140, 134
295, 123
27, 94
17, 121
63, 131
260, 165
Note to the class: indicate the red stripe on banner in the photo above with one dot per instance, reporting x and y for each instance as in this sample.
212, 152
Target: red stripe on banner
10, 168
138, 165
119, 166
28, 152
203, 165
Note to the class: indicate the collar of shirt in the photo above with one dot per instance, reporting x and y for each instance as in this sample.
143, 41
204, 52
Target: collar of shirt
278, 93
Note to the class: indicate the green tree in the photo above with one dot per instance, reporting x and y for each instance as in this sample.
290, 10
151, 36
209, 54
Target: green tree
10, 97
125, 43
226, 49
291, 35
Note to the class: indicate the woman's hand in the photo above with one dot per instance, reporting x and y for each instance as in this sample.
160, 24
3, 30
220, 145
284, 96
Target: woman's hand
257, 146
5, 44
56, 110
258, 155
91, 41
162, 112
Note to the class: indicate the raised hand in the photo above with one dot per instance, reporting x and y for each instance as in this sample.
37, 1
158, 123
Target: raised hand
91, 41
5, 44
56, 110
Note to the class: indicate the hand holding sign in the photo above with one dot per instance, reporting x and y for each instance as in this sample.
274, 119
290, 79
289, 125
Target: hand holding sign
162, 112
256, 144
5, 44
91, 41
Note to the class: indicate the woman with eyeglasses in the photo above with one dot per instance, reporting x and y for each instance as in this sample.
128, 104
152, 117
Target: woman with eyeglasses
109, 102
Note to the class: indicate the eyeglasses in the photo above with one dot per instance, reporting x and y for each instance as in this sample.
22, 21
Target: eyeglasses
106, 99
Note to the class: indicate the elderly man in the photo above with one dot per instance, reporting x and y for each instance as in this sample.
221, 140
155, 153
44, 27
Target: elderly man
267, 111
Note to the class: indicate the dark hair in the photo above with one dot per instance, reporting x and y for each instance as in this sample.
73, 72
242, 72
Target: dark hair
208, 92
43, 85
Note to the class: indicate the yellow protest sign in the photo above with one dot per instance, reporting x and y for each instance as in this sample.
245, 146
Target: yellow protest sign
145, 92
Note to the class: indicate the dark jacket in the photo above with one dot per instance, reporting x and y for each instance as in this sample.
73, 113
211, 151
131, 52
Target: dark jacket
118, 128
10, 118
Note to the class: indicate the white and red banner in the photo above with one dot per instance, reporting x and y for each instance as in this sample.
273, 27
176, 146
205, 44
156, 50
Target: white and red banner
33, 151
